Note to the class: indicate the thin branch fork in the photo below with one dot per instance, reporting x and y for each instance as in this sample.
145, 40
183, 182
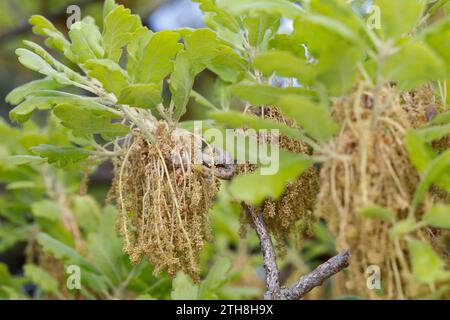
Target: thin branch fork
307, 282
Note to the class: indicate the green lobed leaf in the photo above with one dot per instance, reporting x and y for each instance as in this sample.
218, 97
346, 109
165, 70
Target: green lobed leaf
63, 252
181, 83
25, 160
183, 288
220, 16
135, 50
397, 67
105, 249
96, 282
109, 73
435, 171
237, 120
284, 64
86, 41
377, 212
232, 38
202, 101
442, 118
34, 62
156, 61
420, 153
47, 99
201, 48
84, 122
109, 6
434, 133
427, 266
141, 95
438, 216
64, 74
287, 43
19, 94
314, 119
402, 228
340, 10
222, 94
333, 26
22, 185
262, 94
240, 7
339, 76
254, 188
23, 111
86, 211
216, 278
55, 39
44, 280
335, 48
63, 70
400, 16
61, 156
46, 209
11, 235
120, 26
7, 279
260, 29
228, 65
438, 38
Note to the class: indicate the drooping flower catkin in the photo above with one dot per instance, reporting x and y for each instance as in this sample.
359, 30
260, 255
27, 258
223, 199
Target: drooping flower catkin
298, 199
377, 171
163, 203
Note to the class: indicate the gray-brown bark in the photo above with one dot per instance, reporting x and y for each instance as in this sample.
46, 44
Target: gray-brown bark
268, 251
317, 277
307, 282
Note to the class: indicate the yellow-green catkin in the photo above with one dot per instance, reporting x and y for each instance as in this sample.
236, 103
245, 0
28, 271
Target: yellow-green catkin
162, 206
376, 171
299, 196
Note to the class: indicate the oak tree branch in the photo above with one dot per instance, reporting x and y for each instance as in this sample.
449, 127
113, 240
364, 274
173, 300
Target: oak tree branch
270, 260
317, 277
307, 282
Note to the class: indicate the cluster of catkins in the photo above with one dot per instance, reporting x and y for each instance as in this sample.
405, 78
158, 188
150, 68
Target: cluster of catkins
163, 199
291, 214
378, 171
